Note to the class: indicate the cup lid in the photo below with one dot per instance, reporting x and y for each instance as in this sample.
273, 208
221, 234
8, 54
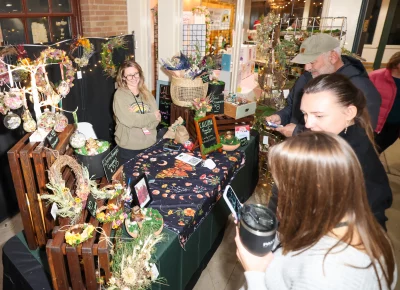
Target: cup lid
258, 217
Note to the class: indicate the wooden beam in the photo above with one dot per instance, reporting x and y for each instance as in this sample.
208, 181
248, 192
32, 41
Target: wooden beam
385, 33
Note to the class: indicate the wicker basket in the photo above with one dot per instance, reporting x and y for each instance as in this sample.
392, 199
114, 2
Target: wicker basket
184, 91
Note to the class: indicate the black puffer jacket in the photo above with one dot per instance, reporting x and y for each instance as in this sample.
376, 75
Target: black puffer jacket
355, 71
376, 181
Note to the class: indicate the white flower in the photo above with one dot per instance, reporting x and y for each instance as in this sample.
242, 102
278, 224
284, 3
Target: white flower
129, 276
126, 288
112, 280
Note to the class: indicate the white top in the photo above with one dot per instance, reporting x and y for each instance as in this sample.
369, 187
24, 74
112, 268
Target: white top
308, 270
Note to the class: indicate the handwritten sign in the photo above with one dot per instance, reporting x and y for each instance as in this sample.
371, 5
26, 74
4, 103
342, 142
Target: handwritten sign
52, 138
207, 135
243, 141
216, 94
111, 163
91, 205
164, 100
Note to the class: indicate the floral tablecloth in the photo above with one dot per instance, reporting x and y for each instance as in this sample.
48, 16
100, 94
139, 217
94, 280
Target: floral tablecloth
184, 194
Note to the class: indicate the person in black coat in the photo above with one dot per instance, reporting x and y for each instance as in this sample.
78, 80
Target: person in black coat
331, 103
322, 55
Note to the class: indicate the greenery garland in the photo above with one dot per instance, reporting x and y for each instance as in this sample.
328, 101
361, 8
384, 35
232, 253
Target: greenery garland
109, 67
115, 213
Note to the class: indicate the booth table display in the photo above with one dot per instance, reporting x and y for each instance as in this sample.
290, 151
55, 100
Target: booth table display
174, 263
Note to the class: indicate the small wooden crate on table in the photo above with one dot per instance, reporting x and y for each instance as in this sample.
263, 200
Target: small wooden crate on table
224, 123
29, 162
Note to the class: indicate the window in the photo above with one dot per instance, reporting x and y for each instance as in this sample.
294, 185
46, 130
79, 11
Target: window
394, 35
38, 21
372, 15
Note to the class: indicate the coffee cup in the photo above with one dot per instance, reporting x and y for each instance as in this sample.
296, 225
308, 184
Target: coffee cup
257, 230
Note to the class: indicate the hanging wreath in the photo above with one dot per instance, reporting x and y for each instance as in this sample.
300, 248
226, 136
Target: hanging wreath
109, 67
68, 206
53, 56
74, 239
88, 50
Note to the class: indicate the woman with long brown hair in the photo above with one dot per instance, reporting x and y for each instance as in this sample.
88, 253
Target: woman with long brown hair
331, 103
136, 112
329, 236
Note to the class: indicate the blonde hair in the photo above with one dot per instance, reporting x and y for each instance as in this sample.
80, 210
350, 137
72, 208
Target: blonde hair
143, 90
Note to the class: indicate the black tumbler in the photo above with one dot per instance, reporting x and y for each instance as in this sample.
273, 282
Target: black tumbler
257, 228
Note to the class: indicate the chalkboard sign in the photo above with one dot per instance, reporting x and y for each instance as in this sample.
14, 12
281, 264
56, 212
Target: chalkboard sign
164, 100
91, 205
243, 141
207, 135
52, 138
216, 94
111, 163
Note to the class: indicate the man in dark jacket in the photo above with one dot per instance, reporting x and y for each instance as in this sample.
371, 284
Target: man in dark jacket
321, 53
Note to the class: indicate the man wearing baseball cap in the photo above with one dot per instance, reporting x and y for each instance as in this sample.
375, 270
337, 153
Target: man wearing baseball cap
321, 54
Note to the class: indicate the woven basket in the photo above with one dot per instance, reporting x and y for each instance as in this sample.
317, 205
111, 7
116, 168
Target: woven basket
184, 91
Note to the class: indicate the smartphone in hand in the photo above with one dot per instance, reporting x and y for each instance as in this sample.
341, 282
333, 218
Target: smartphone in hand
232, 201
272, 125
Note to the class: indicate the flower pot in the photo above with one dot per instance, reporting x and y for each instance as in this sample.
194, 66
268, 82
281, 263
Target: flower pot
93, 163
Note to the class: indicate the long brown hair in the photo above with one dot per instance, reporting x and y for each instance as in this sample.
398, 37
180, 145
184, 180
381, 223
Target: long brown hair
144, 92
320, 182
346, 94
393, 61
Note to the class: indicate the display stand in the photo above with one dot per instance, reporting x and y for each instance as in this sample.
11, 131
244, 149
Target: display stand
29, 162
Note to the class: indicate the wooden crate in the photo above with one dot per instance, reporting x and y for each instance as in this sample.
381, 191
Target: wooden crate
224, 122
79, 267
239, 111
28, 163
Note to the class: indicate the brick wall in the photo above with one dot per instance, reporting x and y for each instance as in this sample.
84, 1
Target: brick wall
104, 17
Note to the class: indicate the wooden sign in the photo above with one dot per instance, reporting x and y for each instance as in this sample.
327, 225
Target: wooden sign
207, 135
111, 163
91, 205
52, 138
164, 100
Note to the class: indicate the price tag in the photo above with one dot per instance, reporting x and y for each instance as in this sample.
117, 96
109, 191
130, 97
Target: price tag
243, 141
265, 140
91, 205
54, 210
79, 74
154, 272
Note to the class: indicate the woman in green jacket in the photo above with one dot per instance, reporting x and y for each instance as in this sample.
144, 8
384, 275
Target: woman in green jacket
136, 112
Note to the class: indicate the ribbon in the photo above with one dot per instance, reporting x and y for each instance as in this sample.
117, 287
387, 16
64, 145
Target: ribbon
10, 76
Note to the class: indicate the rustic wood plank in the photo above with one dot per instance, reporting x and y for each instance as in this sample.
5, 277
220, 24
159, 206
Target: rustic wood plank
16, 173
31, 188
56, 261
41, 176
74, 268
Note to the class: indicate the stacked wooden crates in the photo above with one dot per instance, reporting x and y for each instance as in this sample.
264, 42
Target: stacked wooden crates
70, 267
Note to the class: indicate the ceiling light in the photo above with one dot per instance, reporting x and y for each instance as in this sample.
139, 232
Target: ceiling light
8, 4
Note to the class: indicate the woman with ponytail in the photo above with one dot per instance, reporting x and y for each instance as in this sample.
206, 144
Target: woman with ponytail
331, 103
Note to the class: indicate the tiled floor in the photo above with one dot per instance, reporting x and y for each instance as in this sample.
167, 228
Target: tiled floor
224, 272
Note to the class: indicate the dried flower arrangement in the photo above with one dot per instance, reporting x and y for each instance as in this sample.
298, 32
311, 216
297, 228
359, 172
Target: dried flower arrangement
93, 147
201, 106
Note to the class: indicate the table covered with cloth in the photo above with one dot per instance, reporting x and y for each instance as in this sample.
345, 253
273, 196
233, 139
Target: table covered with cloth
28, 269
182, 193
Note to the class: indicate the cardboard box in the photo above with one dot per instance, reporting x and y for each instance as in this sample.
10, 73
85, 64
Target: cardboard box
239, 111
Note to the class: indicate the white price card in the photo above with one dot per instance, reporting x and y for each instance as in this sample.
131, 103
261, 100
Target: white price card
79, 74
54, 210
265, 140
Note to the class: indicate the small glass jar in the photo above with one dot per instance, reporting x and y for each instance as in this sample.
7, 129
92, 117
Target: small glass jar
61, 122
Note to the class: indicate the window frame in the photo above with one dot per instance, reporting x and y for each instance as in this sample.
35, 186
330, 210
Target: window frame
75, 18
